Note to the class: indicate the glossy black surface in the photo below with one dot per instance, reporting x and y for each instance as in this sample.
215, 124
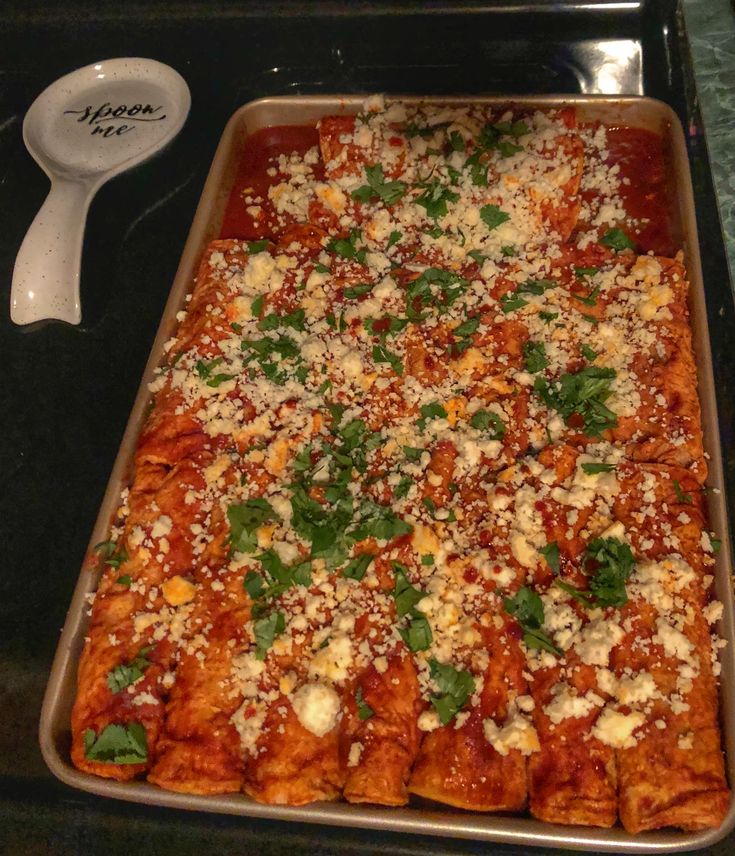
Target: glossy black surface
65, 392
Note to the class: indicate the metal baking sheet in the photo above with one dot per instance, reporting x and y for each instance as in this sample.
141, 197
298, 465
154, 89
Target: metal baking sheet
420, 816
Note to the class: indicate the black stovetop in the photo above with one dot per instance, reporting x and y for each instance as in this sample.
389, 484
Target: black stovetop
65, 392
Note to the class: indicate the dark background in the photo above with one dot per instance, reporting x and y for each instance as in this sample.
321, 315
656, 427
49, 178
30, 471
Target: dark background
65, 392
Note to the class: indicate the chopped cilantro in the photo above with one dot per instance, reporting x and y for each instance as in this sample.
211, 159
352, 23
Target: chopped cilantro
381, 523
456, 141
680, 495
716, 544
294, 319
429, 503
320, 268
417, 633
266, 630
256, 307
356, 568
582, 393
534, 354
433, 287
112, 555
591, 469
235, 327
412, 453
548, 316
125, 674
508, 250
405, 595
590, 299
393, 238
528, 609
585, 271
477, 256
257, 246
244, 519
435, 232
117, 744
427, 559
402, 488
364, 711
455, 687
617, 240
358, 290
551, 553
431, 411
486, 420
509, 302
347, 247
588, 353
478, 170
389, 192
124, 580
611, 563
492, 216
383, 355
536, 286
435, 197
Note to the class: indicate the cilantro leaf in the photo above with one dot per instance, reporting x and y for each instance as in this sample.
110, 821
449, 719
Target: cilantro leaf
294, 319
412, 453
617, 240
403, 487
404, 594
586, 271
590, 299
611, 562
266, 630
536, 286
455, 686
492, 216
534, 354
427, 559
484, 419
389, 192
591, 468
124, 580
434, 199
588, 353
456, 141
433, 287
257, 246
686, 498
244, 519
528, 610
417, 634
393, 238
125, 674
379, 522
509, 302
358, 290
551, 553
383, 355
477, 256
431, 411
357, 567
582, 393
347, 247
364, 711
117, 744
112, 555
548, 316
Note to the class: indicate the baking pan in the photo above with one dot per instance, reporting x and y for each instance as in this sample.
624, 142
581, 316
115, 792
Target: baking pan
419, 817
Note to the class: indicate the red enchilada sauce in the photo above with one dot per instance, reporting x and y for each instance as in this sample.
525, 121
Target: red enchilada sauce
250, 215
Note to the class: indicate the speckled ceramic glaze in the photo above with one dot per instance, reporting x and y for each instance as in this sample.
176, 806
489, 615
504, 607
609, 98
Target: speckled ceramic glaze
82, 130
